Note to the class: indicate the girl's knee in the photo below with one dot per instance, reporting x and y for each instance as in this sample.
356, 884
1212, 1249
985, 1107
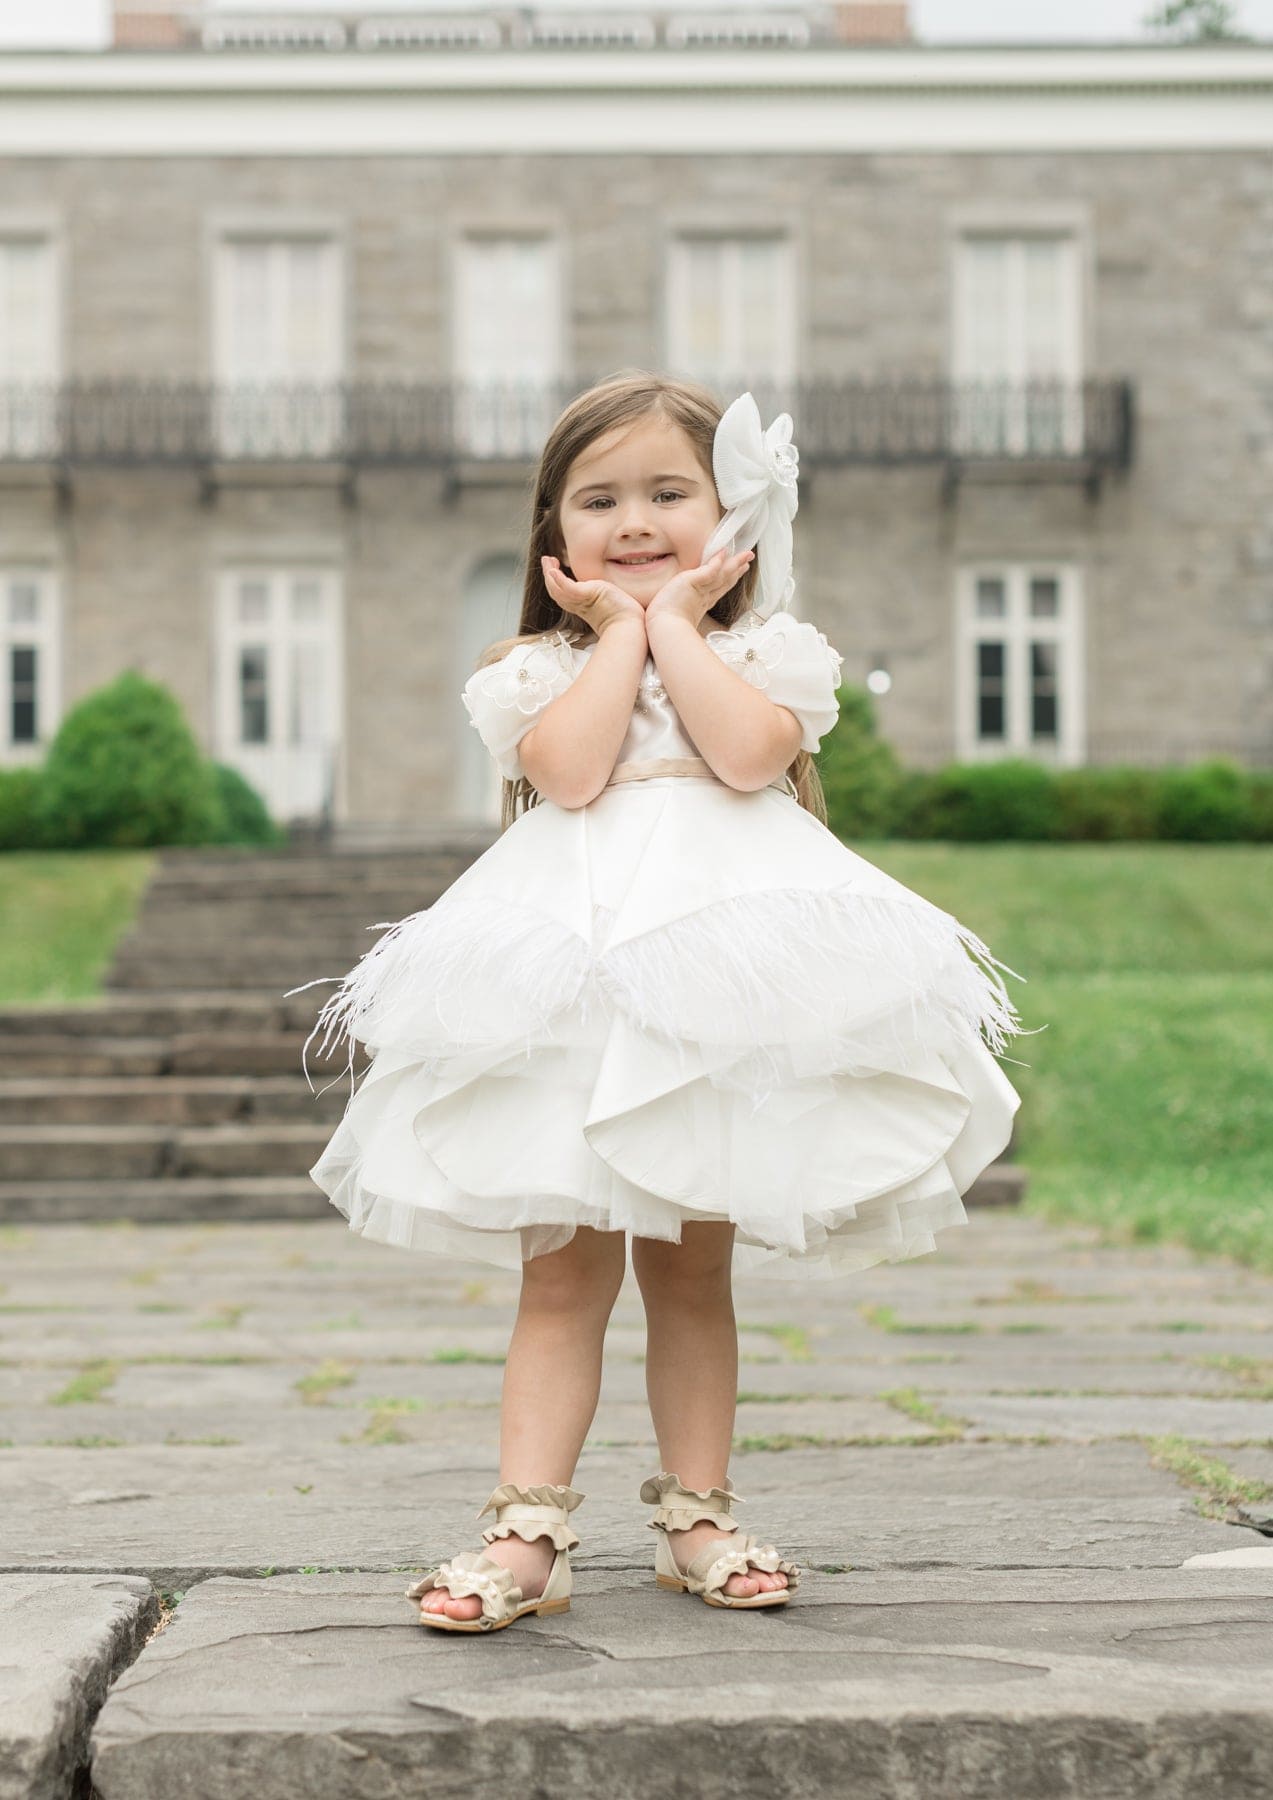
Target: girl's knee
585, 1274
700, 1265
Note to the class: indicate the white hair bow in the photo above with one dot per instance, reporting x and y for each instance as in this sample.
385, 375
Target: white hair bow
756, 473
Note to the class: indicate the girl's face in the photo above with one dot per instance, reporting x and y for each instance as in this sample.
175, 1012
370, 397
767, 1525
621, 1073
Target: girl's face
637, 507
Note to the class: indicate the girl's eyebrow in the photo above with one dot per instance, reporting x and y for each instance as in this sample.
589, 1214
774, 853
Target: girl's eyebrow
685, 481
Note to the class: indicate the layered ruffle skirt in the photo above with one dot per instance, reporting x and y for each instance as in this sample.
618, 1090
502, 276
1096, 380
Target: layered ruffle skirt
681, 1002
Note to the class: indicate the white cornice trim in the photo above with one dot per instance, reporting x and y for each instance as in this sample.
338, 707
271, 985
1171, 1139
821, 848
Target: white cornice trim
590, 102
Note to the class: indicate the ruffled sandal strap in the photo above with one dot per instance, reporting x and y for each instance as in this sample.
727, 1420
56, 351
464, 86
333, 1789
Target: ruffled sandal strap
680, 1507
533, 1512
473, 1573
712, 1568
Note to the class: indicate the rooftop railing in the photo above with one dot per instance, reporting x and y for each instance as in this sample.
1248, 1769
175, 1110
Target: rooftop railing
133, 422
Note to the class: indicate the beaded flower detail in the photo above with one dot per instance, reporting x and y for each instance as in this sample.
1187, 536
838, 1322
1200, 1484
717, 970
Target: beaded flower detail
528, 680
752, 660
650, 692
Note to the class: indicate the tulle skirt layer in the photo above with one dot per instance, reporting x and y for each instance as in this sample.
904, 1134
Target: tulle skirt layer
680, 1002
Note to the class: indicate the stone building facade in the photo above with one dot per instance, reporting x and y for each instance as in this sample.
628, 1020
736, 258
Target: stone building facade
280, 331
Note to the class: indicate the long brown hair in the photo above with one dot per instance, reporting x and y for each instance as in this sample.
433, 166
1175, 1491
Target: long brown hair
622, 399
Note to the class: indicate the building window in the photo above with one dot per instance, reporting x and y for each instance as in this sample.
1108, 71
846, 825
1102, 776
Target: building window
279, 686
28, 666
731, 311
28, 348
1019, 662
1017, 336
278, 335
507, 346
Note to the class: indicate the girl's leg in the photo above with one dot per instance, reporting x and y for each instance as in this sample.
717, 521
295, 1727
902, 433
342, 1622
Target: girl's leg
691, 1370
552, 1380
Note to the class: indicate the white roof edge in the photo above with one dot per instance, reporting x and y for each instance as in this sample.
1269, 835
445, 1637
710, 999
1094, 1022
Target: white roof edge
903, 68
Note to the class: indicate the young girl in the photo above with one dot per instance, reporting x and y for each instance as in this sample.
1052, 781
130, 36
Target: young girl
667, 1004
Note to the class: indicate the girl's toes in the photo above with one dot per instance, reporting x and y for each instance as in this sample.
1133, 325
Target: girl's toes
467, 1607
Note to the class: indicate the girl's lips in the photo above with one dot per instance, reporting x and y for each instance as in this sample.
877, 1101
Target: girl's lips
651, 563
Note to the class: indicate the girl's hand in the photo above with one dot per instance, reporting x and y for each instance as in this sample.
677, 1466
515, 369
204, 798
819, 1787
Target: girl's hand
693, 592
597, 603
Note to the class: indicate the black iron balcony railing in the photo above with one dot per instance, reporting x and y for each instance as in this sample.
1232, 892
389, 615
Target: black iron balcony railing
387, 423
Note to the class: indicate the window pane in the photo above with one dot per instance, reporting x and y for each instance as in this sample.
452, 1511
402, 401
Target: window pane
984, 328
254, 722
307, 603
992, 601
23, 687
1043, 691
991, 711
254, 602
760, 349
308, 709
24, 603
1044, 307
249, 324
1045, 597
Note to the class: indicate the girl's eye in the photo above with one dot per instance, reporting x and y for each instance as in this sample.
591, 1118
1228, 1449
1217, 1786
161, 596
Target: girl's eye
663, 494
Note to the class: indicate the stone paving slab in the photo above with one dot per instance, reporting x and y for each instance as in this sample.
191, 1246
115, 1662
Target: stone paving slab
190, 1512
64, 1639
1098, 1416
983, 1415
871, 1685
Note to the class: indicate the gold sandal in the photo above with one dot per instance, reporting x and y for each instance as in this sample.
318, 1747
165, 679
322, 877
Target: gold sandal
680, 1507
527, 1513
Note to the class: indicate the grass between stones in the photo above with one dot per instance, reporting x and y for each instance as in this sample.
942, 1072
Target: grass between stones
317, 1389
1220, 1489
793, 1338
91, 1385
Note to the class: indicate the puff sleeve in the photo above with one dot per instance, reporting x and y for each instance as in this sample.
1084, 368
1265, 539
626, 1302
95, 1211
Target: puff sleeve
504, 699
792, 663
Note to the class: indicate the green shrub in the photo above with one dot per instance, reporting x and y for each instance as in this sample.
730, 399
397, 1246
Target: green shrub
985, 803
247, 819
1261, 790
1208, 803
21, 825
124, 770
1108, 805
859, 773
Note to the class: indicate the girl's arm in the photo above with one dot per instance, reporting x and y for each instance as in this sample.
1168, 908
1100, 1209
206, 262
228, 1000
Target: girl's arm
747, 739
570, 750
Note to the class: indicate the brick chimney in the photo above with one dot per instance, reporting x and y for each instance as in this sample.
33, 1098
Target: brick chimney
152, 25
865, 22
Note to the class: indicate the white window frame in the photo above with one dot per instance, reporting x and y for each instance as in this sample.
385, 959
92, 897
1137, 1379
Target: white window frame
28, 417
1016, 631
270, 420
1016, 424
229, 634
46, 635
491, 421
679, 356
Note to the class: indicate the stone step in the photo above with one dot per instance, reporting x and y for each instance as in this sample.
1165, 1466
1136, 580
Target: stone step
65, 1639
139, 970
166, 1014
150, 1193
271, 917
228, 1053
161, 1202
1068, 1684
34, 1154
167, 1100
66, 1053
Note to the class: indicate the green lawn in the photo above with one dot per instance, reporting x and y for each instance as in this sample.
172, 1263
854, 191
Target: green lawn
1147, 1105
1147, 1101
61, 913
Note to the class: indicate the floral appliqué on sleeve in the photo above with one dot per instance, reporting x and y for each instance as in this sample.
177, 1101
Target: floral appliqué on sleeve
753, 661
527, 680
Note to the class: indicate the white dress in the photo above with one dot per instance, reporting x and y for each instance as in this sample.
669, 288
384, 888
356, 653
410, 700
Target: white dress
680, 1001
